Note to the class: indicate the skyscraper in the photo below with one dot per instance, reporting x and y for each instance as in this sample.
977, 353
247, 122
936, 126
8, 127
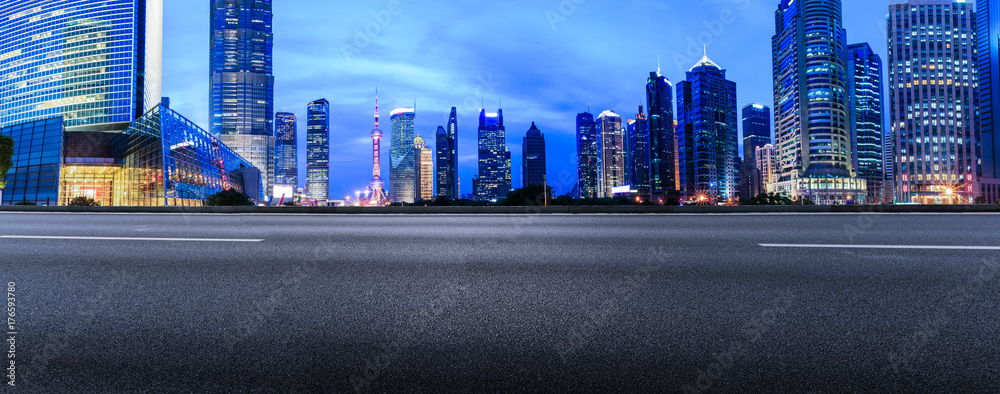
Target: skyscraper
756, 133
442, 157
637, 154
318, 151
533, 158
765, 161
707, 118
424, 181
662, 139
448, 158
376, 187
586, 155
63, 101
812, 129
864, 92
610, 154
933, 100
286, 168
494, 157
988, 37
47, 38
402, 157
242, 82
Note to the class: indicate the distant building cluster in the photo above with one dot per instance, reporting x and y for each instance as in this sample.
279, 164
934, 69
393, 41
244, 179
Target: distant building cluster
80, 94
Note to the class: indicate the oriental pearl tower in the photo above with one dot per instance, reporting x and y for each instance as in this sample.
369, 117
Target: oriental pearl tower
377, 188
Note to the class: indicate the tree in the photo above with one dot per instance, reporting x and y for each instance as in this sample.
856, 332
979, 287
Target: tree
768, 199
6, 158
531, 195
84, 201
228, 198
441, 201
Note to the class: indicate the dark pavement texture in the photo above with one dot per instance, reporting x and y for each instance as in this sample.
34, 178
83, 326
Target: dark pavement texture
559, 303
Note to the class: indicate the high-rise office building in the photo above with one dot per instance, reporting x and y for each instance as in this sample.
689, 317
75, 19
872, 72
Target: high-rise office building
636, 141
242, 81
57, 58
610, 154
447, 157
318, 151
812, 126
988, 66
663, 180
533, 158
424, 181
756, 133
864, 96
286, 167
933, 100
586, 155
766, 162
706, 103
494, 157
75, 75
402, 157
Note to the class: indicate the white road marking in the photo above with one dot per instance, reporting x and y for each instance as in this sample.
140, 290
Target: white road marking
129, 239
924, 247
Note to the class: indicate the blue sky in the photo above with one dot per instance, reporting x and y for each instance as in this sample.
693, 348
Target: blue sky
547, 59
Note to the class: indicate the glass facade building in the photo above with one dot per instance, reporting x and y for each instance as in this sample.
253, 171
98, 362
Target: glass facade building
933, 101
586, 155
864, 92
494, 157
756, 133
812, 129
533, 157
38, 147
664, 182
242, 81
164, 159
988, 62
447, 157
424, 182
637, 154
706, 116
610, 154
286, 168
402, 156
318, 151
89, 62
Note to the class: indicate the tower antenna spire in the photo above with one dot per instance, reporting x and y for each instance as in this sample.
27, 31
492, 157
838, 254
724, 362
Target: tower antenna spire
658, 63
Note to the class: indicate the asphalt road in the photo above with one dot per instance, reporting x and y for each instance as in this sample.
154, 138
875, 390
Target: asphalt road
667, 303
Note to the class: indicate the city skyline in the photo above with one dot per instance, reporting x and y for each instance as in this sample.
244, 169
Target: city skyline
398, 61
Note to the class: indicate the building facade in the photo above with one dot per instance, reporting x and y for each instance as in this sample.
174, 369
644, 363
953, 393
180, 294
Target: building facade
90, 63
586, 155
663, 147
494, 157
533, 158
447, 158
610, 154
766, 162
242, 81
756, 133
707, 120
933, 101
424, 182
988, 66
286, 167
864, 92
318, 151
402, 157
812, 126
636, 141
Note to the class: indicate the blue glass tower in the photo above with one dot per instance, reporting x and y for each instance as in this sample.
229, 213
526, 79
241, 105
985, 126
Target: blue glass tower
402, 157
662, 139
756, 134
91, 63
637, 154
318, 151
988, 44
586, 155
707, 118
286, 169
864, 92
447, 158
242, 83
494, 157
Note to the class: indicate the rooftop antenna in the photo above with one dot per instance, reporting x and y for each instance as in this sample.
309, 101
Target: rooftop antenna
501, 102
658, 63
